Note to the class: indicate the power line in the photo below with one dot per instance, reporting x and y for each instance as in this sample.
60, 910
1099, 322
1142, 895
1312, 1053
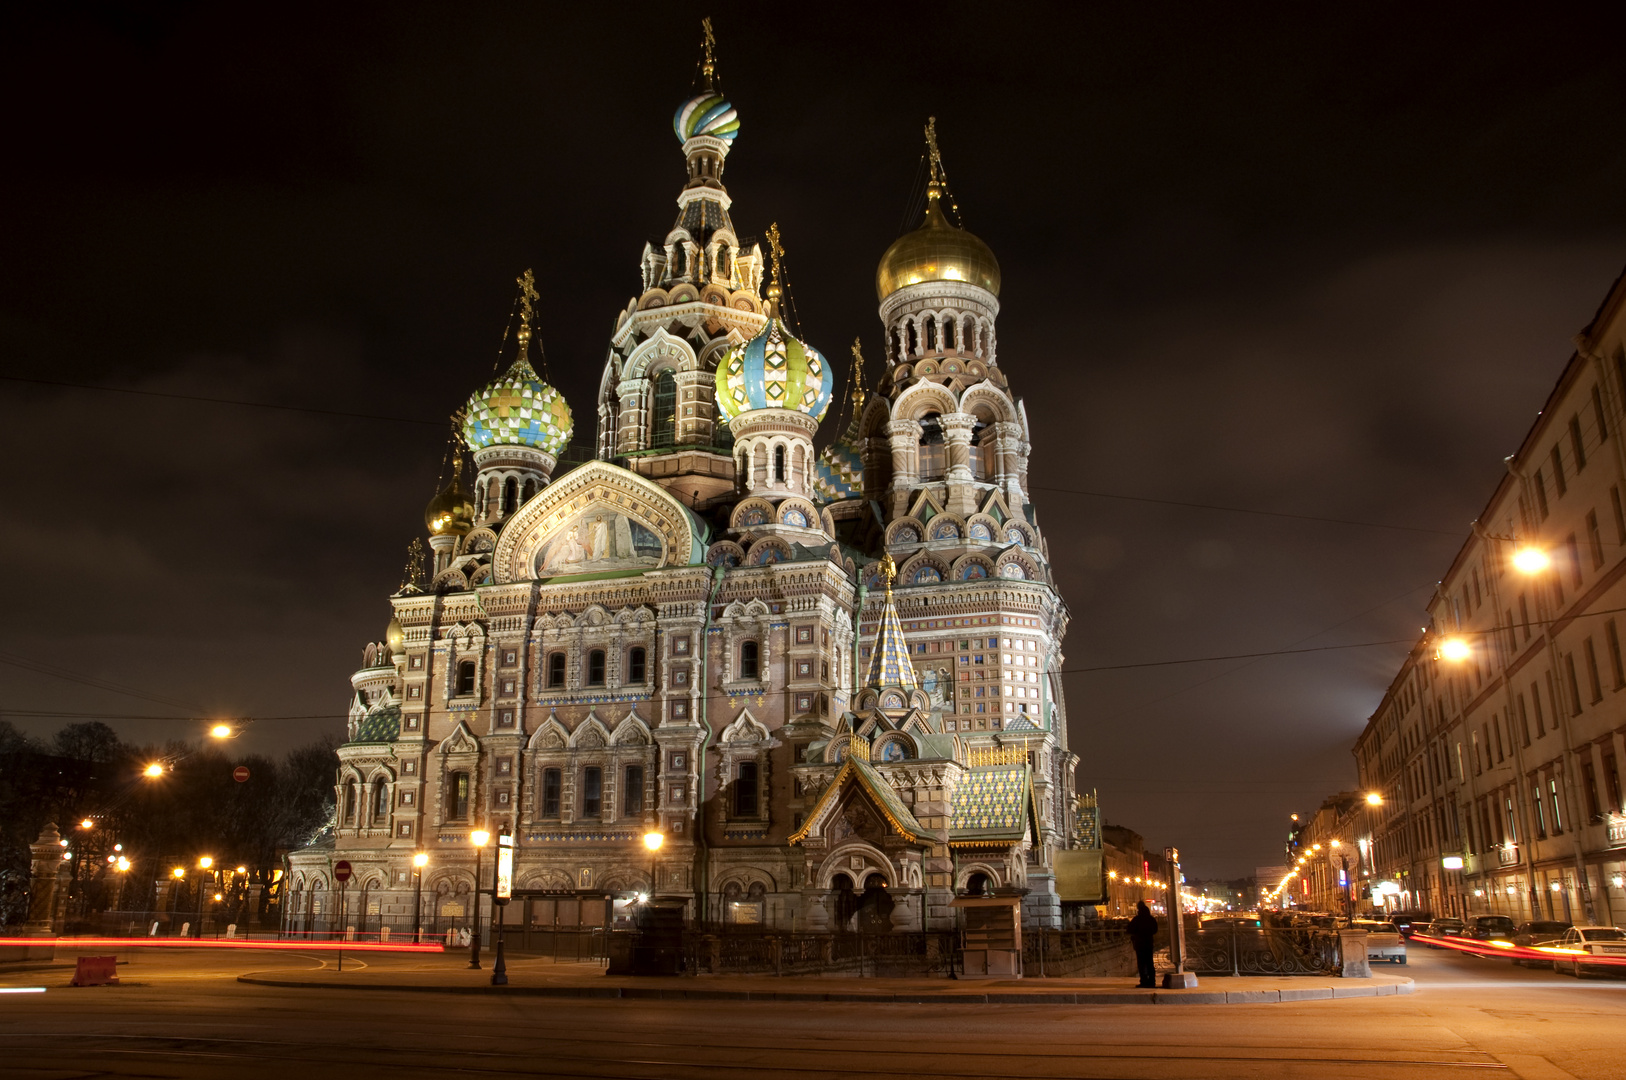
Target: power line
224, 401
68, 675
1245, 510
1235, 656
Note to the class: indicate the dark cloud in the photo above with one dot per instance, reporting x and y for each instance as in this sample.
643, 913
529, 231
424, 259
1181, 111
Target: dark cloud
1315, 264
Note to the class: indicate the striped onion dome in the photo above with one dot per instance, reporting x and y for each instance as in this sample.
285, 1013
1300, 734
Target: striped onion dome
774, 370
706, 114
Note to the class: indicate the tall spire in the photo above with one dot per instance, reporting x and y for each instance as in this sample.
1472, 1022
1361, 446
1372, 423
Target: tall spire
889, 663
527, 313
776, 253
708, 66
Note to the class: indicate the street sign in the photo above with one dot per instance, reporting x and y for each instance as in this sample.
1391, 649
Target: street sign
341, 871
240, 774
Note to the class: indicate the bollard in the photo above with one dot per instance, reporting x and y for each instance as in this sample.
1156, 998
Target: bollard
383, 934
186, 929
154, 931
1352, 945
231, 930
350, 933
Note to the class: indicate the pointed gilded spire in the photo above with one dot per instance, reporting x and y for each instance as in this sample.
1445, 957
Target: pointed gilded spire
889, 663
708, 66
776, 253
932, 151
527, 311
857, 392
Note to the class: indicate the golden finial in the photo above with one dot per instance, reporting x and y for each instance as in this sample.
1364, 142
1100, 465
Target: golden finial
776, 253
708, 67
414, 565
858, 376
932, 151
889, 572
527, 310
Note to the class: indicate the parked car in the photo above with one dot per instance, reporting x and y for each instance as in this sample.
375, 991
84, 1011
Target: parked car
1530, 934
1442, 928
1583, 941
1383, 940
1409, 922
1489, 928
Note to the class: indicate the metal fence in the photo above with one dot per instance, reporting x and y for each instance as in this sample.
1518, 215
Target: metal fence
1077, 952
715, 951
1264, 951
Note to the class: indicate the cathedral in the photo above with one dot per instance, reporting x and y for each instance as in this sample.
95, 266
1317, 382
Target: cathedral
829, 680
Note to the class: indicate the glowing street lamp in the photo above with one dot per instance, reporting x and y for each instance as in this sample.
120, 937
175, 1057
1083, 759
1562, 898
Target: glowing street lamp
479, 838
653, 839
1455, 650
1530, 560
222, 731
153, 771
419, 861
1374, 799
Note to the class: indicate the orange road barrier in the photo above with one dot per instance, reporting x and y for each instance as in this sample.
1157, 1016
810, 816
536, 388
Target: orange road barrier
96, 971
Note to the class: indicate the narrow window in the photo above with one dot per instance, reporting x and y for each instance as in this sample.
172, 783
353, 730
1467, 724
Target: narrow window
779, 464
381, 802
510, 495
592, 791
1575, 687
460, 796
1560, 482
1524, 616
1612, 637
1541, 495
1574, 549
1558, 817
1589, 777
663, 417
350, 801
1611, 779
632, 799
1512, 832
635, 664
465, 678
550, 793
1594, 538
1597, 414
748, 660
1620, 514
745, 790
556, 670
1575, 444
1593, 682
1524, 722
595, 667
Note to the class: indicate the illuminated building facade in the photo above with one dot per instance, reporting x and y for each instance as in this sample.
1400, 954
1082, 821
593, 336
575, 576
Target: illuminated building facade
1498, 749
830, 679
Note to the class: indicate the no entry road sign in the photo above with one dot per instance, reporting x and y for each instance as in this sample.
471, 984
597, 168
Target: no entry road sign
240, 774
341, 871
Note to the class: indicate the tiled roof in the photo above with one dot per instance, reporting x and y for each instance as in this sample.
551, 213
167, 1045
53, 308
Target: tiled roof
992, 803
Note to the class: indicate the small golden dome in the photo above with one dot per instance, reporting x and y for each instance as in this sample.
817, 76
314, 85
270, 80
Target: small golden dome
451, 513
937, 251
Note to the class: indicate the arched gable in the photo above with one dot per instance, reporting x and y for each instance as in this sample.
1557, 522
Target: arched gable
660, 352
597, 517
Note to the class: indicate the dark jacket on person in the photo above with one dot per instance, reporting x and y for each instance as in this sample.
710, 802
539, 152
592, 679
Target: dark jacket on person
1142, 928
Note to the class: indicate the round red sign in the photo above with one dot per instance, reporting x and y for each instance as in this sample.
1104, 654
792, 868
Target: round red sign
341, 871
240, 773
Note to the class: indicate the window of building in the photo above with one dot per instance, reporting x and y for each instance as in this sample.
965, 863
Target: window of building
1598, 415
1575, 687
1576, 446
465, 678
1558, 817
1541, 495
1620, 514
1560, 481
1594, 538
556, 670
551, 782
745, 790
1573, 547
1594, 683
779, 464
458, 804
748, 660
595, 667
632, 798
1611, 637
350, 801
636, 663
510, 495
381, 801
663, 417
592, 791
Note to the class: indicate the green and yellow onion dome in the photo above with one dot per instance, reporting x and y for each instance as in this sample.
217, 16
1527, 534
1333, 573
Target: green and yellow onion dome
518, 409
451, 513
937, 251
706, 114
774, 370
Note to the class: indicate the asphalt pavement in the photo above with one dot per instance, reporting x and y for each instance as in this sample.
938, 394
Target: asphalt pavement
187, 1014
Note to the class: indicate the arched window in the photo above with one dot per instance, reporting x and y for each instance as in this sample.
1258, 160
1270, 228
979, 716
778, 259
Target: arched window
932, 341
948, 333
381, 801
636, 664
350, 801
663, 416
530, 489
457, 805
933, 453
595, 668
745, 790
779, 464
465, 678
550, 793
556, 670
725, 262
977, 885
679, 259
748, 660
914, 339
510, 495
592, 791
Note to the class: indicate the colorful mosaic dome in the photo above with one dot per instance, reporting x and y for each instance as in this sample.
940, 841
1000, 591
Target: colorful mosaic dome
518, 409
706, 114
839, 472
774, 370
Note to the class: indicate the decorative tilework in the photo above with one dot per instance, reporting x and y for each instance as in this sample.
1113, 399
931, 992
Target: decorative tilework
518, 408
992, 800
889, 663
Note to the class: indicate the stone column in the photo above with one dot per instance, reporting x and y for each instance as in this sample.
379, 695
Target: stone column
957, 427
904, 436
43, 880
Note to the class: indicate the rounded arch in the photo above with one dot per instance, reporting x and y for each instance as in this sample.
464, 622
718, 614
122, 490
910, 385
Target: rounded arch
972, 568
905, 530
947, 527
840, 862
921, 399
725, 553
1017, 565
967, 871
751, 513
920, 570
988, 404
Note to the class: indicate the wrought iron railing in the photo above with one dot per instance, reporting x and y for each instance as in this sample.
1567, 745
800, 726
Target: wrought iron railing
1265, 951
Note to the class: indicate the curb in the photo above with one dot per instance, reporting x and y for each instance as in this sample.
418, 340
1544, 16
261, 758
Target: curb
1084, 997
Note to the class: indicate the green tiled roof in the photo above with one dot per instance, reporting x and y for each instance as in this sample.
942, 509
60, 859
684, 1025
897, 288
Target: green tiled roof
992, 804
383, 724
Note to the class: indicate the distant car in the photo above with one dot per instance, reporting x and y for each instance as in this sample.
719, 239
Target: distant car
1489, 928
1531, 934
1409, 922
1383, 940
1214, 923
1583, 941
1442, 928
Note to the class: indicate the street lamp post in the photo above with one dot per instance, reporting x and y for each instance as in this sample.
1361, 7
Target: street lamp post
204, 864
502, 889
653, 839
419, 861
479, 838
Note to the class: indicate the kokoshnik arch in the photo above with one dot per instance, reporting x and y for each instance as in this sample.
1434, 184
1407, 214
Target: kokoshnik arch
828, 678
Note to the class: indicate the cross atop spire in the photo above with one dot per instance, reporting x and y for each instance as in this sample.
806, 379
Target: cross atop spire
932, 152
708, 66
527, 312
858, 377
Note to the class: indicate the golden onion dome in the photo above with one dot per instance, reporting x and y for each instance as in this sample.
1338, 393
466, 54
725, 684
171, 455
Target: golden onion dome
937, 251
451, 513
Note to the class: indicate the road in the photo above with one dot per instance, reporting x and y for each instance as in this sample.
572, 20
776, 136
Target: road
185, 1015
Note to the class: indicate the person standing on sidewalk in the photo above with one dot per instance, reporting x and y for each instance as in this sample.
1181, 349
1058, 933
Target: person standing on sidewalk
1142, 929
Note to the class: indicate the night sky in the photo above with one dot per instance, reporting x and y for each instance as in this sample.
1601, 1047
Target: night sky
1252, 258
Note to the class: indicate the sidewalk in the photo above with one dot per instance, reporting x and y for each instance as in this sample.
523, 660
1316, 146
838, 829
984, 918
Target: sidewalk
541, 978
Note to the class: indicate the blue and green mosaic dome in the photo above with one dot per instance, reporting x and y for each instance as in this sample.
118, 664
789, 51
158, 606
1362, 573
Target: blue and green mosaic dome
518, 409
774, 370
839, 472
706, 114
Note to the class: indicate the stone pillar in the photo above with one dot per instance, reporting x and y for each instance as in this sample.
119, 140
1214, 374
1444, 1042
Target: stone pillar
43, 880
904, 436
962, 497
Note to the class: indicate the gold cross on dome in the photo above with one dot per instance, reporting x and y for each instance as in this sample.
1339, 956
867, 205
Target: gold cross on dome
931, 148
527, 297
776, 250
